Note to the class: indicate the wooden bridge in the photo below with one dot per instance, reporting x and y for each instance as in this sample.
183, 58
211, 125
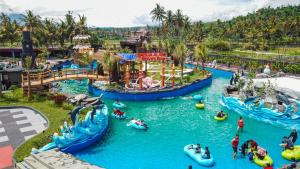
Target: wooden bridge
39, 81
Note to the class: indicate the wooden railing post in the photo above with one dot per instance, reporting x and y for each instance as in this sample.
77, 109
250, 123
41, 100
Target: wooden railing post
22, 75
53, 73
41, 77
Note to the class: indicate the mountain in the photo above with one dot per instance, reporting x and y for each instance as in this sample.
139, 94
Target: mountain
17, 17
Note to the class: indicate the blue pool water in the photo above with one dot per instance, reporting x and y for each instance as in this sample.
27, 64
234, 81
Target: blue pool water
174, 123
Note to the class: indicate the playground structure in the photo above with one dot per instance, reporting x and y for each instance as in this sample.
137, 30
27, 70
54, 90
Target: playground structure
143, 82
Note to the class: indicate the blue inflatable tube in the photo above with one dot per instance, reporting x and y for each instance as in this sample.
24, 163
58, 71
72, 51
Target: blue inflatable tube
119, 105
133, 124
118, 116
197, 97
198, 157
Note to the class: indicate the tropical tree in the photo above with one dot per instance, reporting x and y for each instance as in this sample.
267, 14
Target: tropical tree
31, 21
62, 33
82, 25
201, 53
70, 26
50, 31
158, 14
179, 21
180, 53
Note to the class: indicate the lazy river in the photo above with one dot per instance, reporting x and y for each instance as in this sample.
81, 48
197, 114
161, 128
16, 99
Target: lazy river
174, 123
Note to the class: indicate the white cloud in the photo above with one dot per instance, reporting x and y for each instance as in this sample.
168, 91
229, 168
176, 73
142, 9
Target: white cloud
136, 12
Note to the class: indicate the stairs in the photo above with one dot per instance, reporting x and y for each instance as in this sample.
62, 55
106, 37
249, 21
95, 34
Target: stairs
53, 159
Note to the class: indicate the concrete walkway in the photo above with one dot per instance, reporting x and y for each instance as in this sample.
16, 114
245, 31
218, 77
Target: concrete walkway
16, 126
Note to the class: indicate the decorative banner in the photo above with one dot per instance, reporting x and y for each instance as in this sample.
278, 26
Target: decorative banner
152, 56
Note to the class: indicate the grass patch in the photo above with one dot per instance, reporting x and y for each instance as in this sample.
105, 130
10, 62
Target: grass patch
56, 115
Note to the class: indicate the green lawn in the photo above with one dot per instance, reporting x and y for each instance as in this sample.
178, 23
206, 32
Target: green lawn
56, 115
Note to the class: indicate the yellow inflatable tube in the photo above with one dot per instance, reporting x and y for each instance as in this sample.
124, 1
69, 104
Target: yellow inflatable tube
264, 162
200, 105
221, 118
292, 154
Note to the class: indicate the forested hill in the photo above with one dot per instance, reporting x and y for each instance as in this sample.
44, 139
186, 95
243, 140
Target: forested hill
268, 25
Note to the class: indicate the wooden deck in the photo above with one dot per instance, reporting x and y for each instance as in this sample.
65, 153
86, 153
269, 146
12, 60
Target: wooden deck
47, 77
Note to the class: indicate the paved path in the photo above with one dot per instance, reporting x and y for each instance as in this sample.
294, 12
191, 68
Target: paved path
16, 126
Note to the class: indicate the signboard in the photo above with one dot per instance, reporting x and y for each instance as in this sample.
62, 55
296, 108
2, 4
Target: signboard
152, 56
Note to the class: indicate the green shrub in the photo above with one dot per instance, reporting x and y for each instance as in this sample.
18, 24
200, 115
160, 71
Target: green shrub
219, 45
67, 106
14, 95
13, 87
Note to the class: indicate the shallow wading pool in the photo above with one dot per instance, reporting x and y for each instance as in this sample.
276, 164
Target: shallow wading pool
174, 123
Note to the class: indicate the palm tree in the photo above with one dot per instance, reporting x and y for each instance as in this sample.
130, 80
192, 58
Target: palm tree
181, 51
178, 21
200, 53
158, 14
50, 30
70, 26
62, 33
82, 25
31, 21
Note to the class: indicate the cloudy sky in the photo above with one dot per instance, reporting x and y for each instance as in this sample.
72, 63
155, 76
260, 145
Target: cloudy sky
120, 13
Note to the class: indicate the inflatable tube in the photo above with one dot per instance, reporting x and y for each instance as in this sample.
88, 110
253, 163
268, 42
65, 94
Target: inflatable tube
221, 118
200, 105
118, 116
118, 105
293, 155
133, 124
198, 156
262, 163
197, 97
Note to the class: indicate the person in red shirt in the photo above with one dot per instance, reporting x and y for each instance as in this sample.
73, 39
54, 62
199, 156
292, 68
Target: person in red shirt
235, 144
240, 124
254, 145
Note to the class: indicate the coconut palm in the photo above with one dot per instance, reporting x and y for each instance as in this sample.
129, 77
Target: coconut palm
62, 33
200, 53
50, 30
158, 14
70, 26
180, 53
82, 24
31, 21
178, 21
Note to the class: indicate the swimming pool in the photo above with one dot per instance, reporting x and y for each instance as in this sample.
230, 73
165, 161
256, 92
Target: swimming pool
174, 123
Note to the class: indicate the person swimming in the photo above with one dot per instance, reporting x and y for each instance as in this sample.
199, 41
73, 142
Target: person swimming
198, 148
220, 114
206, 153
